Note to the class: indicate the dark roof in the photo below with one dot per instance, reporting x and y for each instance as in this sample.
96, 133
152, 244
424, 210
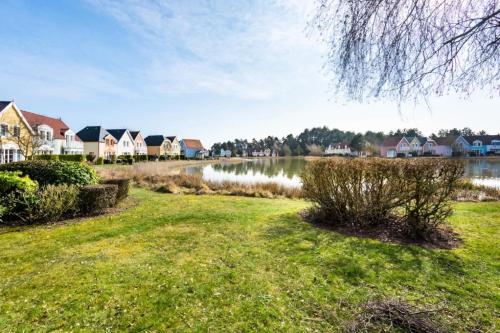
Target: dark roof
193, 144
134, 134
93, 134
154, 140
171, 138
117, 133
485, 139
3, 104
392, 141
447, 140
58, 126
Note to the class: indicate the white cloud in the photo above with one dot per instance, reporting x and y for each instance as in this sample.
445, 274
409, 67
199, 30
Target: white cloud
245, 49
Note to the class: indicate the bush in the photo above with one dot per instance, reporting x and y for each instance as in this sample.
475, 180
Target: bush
356, 192
94, 199
113, 159
55, 172
428, 187
90, 158
99, 161
17, 195
72, 158
54, 202
414, 194
123, 187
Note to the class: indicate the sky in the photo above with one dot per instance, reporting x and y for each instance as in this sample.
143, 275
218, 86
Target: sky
214, 70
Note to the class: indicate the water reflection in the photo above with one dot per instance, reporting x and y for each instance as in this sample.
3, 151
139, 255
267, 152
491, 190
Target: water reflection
286, 171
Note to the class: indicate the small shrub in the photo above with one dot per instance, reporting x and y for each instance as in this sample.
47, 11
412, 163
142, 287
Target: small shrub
99, 161
95, 199
123, 187
113, 159
55, 172
54, 202
72, 158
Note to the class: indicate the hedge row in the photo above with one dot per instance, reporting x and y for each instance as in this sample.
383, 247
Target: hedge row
55, 172
66, 158
22, 199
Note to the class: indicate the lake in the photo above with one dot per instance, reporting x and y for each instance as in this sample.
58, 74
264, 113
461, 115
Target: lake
286, 171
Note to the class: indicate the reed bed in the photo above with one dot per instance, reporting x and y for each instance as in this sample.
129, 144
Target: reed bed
165, 179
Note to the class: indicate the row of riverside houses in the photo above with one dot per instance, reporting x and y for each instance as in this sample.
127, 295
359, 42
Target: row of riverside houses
477, 145
24, 133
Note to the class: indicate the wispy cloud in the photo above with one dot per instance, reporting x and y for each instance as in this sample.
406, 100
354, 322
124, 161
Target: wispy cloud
245, 49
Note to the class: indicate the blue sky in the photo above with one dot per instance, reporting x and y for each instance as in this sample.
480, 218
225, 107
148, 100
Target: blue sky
213, 70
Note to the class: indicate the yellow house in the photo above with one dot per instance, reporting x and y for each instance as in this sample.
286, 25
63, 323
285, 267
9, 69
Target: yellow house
16, 135
158, 145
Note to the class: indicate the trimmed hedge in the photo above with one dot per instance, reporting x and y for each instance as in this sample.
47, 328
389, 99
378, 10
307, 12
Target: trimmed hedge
55, 172
95, 199
123, 187
66, 158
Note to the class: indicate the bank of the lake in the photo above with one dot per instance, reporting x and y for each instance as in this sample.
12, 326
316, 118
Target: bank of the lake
218, 263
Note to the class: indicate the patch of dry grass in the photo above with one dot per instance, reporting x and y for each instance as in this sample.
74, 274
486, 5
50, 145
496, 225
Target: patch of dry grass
468, 191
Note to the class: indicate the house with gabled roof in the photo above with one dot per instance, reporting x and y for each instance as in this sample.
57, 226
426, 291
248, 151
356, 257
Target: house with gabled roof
14, 128
193, 148
394, 146
55, 135
98, 142
125, 142
140, 146
157, 145
480, 145
175, 146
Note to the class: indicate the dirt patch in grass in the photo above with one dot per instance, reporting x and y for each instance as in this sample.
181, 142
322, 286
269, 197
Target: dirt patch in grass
443, 238
380, 315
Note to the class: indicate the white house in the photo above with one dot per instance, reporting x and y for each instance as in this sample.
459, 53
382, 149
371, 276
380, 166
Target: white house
57, 137
225, 153
125, 144
338, 149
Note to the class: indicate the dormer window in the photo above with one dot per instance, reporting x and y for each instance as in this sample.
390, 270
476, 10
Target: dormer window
477, 143
495, 142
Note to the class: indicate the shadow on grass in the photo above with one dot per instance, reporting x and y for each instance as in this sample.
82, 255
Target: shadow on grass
355, 258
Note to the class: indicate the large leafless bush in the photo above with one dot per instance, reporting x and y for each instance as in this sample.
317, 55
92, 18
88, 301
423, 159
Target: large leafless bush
411, 195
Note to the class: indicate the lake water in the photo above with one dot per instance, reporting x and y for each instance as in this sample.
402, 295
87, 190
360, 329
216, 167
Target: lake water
286, 171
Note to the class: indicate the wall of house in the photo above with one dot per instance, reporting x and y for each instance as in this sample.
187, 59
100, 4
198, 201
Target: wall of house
11, 117
154, 150
175, 149
141, 147
96, 148
125, 146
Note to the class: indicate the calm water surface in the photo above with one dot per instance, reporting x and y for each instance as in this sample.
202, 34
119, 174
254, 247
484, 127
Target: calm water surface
286, 171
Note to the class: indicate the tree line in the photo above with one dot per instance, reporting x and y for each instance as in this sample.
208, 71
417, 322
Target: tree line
315, 140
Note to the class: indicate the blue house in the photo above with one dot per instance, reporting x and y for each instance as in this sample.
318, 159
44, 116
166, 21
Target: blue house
192, 148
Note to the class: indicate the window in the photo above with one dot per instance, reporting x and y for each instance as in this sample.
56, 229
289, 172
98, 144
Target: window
16, 131
4, 129
477, 143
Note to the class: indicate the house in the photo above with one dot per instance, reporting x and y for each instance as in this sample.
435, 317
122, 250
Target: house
98, 142
140, 146
125, 144
342, 149
481, 145
267, 152
394, 146
174, 149
157, 145
225, 153
192, 148
429, 147
54, 136
416, 144
15, 134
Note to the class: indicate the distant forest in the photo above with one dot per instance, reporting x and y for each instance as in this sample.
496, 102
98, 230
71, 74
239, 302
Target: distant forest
314, 141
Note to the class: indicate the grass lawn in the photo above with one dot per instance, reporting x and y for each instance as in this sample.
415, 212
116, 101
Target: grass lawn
214, 263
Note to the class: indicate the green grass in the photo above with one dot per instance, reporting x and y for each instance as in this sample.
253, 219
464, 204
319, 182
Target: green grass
218, 263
